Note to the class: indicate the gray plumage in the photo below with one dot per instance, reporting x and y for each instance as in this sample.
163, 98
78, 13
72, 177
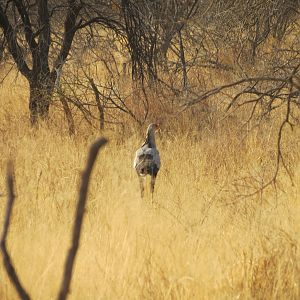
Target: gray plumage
147, 159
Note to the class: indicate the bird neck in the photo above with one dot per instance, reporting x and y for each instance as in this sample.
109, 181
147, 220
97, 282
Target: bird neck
150, 139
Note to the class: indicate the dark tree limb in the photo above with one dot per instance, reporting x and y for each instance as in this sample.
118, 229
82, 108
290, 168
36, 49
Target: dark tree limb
45, 33
10, 269
68, 114
99, 104
29, 35
183, 62
13, 45
85, 179
70, 28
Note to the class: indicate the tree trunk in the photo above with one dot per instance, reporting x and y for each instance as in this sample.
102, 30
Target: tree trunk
40, 97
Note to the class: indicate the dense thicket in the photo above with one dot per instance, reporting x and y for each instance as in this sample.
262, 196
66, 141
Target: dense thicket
170, 48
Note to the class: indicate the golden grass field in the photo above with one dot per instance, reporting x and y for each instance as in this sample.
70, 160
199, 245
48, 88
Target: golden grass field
201, 240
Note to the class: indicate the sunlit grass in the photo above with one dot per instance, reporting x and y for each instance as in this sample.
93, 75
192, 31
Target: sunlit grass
201, 240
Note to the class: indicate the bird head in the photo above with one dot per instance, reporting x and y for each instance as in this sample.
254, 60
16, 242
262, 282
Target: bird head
153, 127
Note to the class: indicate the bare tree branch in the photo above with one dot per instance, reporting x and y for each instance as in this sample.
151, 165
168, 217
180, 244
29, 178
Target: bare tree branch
85, 179
29, 35
69, 32
99, 104
13, 44
218, 89
10, 269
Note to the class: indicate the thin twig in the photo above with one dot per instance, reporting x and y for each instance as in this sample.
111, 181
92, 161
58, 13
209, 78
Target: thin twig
85, 179
218, 89
10, 269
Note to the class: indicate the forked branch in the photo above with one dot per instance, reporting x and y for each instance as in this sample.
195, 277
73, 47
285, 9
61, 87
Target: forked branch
10, 269
68, 270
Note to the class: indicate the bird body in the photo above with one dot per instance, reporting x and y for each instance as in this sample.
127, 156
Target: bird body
147, 161
147, 158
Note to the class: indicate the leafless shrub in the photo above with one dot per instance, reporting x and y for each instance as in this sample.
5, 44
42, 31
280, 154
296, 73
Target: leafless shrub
264, 96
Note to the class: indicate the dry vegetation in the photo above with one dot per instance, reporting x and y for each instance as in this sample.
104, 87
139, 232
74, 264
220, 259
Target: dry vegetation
204, 239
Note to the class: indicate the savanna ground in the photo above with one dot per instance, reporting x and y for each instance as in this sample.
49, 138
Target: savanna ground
205, 238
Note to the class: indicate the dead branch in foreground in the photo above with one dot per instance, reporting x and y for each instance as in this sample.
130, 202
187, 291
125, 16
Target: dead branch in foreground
10, 269
82, 198
85, 179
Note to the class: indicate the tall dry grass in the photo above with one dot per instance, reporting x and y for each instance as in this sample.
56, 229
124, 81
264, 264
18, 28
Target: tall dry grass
202, 240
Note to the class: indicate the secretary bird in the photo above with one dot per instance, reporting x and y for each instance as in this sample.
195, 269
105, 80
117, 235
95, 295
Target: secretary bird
147, 160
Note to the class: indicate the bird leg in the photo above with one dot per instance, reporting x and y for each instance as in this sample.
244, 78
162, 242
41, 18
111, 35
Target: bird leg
153, 177
142, 186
